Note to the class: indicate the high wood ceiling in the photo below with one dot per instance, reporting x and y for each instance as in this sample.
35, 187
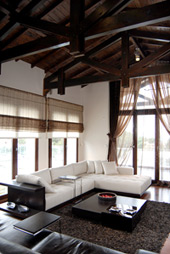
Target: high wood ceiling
77, 42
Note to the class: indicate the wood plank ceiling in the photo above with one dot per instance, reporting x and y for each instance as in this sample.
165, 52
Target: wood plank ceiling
77, 42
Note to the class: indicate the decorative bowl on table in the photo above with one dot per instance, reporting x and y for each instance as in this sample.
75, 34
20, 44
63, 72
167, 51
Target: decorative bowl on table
107, 196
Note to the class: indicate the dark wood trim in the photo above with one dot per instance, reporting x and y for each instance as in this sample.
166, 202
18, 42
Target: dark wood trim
3, 198
135, 143
157, 139
77, 149
65, 151
36, 153
14, 158
50, 152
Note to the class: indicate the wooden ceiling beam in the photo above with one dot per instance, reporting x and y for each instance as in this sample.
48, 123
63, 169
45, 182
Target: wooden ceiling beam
81, 81
150, 71
77, 14
91, 52
101, 66
109, 6
151, 58
155, 36
31, 48
61, 84
138, 17
125, 59
42, 25
27, 10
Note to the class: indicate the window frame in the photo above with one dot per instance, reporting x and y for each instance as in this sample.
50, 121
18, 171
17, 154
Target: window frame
15, 161
65, 151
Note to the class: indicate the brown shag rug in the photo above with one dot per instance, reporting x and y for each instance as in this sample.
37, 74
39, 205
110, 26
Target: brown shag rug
149, 234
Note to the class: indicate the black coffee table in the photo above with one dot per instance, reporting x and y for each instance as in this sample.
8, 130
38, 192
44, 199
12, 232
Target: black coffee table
36, 223
125, 215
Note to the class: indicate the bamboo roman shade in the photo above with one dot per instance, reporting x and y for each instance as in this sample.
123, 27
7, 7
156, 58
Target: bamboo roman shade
64, 116
23, 111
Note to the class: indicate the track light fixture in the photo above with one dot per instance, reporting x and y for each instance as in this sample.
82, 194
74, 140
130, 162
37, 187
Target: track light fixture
137, 55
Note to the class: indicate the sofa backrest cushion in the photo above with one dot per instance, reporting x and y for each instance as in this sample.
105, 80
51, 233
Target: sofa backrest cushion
45, 174
110, 168
80, 168
90, 167
98, 167
45, 184
30, 179
61, 171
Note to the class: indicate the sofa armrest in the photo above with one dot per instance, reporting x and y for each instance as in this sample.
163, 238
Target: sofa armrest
8, 247
123, 170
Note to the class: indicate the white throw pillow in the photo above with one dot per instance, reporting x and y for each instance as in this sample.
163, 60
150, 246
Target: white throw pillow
31, 179
44, 183
98, 167
90, 167
110, 168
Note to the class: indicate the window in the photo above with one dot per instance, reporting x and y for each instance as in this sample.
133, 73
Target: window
5, 162
26, 156
57, 152
63, 151
17, 156
71, 150
151, 142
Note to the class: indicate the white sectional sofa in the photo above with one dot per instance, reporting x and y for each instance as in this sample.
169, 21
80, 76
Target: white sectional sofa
101, 175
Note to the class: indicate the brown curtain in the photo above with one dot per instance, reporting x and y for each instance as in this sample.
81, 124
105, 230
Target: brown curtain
161, 97
122, 99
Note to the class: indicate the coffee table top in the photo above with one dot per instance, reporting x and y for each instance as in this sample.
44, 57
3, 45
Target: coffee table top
34, 224
96, 206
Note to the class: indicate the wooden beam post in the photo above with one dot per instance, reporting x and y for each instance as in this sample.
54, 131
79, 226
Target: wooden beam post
76, 37
125, 59
61, 78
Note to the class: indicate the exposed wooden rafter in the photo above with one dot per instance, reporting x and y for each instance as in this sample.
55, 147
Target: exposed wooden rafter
77, 43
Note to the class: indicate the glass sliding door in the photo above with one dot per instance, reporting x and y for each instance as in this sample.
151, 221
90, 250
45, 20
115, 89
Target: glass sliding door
146, 145
124, 146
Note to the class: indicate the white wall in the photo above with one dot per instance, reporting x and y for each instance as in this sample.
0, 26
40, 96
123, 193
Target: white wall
93, 143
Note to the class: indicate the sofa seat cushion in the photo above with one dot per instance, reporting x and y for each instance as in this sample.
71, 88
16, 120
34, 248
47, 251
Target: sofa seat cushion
63, 244
63, 193
129, 184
